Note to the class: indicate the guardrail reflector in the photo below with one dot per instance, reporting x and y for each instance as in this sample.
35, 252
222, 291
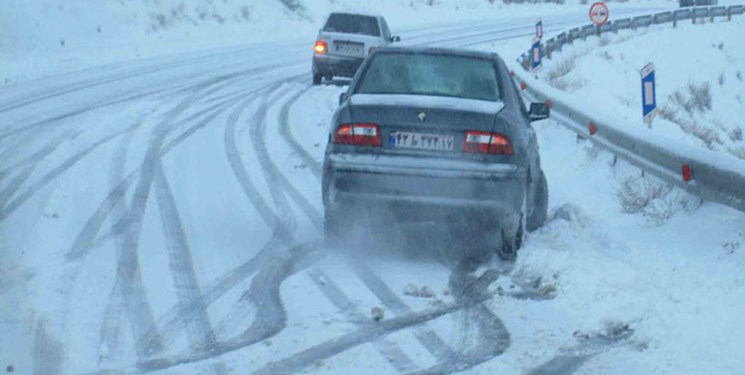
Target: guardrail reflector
687, 173
550, 103
523, 86
592, 128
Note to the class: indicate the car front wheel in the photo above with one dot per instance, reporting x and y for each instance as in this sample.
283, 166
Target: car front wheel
317, 78
539, 213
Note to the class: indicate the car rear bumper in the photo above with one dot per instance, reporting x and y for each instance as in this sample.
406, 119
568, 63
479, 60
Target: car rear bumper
340, 66
424, 184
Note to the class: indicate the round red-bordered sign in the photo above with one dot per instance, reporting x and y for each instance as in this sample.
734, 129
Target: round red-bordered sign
599, 13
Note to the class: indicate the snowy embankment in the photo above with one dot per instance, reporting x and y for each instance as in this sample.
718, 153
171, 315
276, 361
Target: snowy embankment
47, 37
700, 71
624, 250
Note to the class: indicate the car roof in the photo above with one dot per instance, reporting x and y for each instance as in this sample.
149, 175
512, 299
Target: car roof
438, 51
356, 13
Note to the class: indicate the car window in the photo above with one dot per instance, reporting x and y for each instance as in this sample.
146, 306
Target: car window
386, 30
352, 24
431, 74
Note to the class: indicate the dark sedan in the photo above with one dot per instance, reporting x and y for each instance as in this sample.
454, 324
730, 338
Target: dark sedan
428, 134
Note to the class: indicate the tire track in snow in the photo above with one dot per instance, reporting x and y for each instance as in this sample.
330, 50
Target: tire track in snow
13, 205
131, 97
168, 324
426, 336
493, 338
390, 350
270, 316
199, 331
48, 354
124, 76
362, 335
264, 291
128, 292
76, 112
278, 177
286, 223
86, 239
39, 155
281, 234
109, 333
569, 360
284, 130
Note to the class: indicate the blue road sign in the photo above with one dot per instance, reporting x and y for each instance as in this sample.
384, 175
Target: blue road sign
535, 53
649, 90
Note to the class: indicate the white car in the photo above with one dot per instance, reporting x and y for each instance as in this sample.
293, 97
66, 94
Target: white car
345, 41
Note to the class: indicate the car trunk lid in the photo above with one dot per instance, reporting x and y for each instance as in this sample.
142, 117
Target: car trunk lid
426, 126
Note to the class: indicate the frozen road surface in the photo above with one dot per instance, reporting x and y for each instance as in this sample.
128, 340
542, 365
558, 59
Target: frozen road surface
165, 216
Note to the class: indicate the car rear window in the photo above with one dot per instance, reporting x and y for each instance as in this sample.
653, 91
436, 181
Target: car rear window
352, 24
431, 74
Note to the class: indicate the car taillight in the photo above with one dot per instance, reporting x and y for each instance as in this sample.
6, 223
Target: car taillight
321, 47
357, 135
486, 143
371, 50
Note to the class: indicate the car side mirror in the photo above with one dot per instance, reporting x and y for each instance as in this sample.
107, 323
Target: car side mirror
342, 98
539, 111
395, 38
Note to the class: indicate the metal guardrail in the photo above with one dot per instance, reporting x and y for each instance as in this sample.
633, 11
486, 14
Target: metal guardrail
557, 43
716, 177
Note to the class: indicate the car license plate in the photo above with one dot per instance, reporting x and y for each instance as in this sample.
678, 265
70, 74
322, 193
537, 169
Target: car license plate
422, 141
353, 49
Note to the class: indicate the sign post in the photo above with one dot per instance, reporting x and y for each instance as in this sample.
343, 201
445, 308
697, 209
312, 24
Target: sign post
539, 29
535, 54
599, 13
649, 91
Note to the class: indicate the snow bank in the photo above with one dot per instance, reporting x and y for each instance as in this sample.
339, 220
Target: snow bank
700, 80
668, 269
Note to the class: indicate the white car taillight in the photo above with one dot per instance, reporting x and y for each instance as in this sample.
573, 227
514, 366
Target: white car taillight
486, 143
321, 47
357, 135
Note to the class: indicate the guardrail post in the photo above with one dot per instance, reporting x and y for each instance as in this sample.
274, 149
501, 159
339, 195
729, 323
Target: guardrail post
675, 20
712, 15
729, 14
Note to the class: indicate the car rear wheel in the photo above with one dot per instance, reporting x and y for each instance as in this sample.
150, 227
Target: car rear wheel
317, 78
511, 242
538, 215
512, 238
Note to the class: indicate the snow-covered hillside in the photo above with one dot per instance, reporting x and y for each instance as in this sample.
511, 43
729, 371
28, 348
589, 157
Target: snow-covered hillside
700, 72
46, 37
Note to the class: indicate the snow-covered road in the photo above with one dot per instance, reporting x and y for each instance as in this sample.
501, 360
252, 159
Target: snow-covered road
165, 216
